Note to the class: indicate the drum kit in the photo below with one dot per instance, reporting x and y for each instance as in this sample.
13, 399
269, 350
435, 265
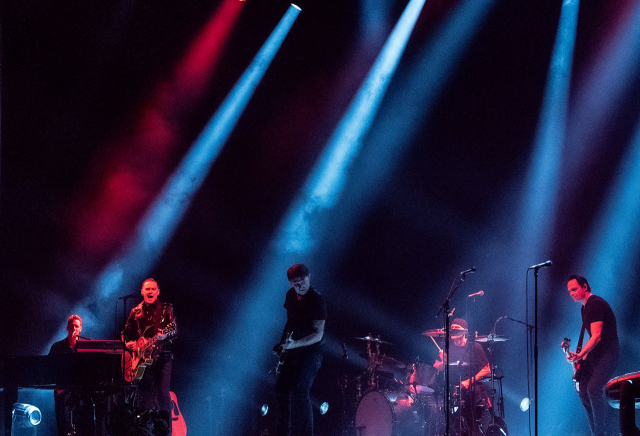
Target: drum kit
395, 399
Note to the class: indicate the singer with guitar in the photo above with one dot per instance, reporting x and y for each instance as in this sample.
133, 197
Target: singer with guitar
599, 356
302, 340
152, 321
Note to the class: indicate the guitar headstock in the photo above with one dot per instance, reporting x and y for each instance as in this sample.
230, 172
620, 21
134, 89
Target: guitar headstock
169, 328
566, 344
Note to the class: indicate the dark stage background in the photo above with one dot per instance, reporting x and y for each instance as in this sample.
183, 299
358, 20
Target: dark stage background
96, 116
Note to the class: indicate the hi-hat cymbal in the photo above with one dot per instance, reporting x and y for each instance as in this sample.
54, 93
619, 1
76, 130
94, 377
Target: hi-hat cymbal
491, 338
383, 361
440, 332
373, 339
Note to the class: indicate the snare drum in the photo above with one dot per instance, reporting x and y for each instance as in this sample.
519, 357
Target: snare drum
387, 413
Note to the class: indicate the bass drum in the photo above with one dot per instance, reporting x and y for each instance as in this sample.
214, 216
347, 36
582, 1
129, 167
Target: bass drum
387, 413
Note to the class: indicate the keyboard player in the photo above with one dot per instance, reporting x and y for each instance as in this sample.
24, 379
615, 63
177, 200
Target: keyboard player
71, 405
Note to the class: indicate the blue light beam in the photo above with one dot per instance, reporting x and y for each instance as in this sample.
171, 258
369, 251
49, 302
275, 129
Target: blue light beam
541, 192
328, 177
163, 216
241, 365
612, 250
597, 102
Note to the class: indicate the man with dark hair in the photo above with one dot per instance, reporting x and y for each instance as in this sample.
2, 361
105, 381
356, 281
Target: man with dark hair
149, 322
302, 341
460, 352
69, 402
599, 355
467, 362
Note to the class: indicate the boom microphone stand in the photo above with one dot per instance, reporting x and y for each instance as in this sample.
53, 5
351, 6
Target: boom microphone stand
444, 309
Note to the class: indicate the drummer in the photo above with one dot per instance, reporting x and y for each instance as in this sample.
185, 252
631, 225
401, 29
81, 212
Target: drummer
460, 354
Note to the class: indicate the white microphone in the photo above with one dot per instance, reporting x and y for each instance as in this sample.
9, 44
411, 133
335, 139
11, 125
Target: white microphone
477, 294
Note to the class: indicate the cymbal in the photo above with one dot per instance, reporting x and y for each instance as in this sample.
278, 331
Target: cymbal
373, 339
440, 332
491, 338
384, 361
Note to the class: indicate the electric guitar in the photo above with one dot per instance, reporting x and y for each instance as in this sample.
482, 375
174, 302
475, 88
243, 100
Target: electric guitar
140, 358
178, 426
566, 344
281, 354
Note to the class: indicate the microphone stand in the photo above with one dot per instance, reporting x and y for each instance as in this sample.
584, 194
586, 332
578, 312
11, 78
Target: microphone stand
535, 342
535, 350
444, 309
124, 348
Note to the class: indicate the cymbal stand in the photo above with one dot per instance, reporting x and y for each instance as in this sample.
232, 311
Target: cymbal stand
371, 369
492, 334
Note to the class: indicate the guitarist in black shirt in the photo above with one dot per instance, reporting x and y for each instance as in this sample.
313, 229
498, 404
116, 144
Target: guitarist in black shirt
148, 320
302, 339
599, 355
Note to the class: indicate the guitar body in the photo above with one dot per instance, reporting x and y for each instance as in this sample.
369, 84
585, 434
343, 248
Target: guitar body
566, 344
281, 355
178, 426
140, 358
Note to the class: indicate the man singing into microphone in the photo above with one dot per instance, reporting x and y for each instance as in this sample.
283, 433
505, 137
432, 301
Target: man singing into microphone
147, 320
68, 402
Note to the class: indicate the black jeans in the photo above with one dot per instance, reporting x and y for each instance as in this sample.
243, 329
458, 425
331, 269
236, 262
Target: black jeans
153, 389
592, 383
294, 410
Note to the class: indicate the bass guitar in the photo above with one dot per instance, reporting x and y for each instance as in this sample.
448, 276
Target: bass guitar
566, 344
140, 358
281, 354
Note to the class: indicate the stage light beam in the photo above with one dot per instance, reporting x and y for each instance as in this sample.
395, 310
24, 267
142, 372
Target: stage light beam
541, 192
320, 192
160, 221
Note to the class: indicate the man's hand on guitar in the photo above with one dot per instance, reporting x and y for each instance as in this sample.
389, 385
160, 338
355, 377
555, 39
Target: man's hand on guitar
131, 346
573, 357
288, 344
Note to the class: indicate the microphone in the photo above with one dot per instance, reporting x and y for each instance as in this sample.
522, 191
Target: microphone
477, 294
468, 271
541, 265
345, 356
82, 337
126, 297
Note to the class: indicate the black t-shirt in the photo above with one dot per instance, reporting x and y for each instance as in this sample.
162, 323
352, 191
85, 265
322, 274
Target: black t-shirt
463, 356
302, 310
597, 309
62, 347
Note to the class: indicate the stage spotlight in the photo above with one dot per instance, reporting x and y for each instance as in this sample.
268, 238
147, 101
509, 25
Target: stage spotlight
324, 407
264, 409
296, 6
524, 404
26, 415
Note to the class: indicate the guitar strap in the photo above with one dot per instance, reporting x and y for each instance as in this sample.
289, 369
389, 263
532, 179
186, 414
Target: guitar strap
581, 338
158, 318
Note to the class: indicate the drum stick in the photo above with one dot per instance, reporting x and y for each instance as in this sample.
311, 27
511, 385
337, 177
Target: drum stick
434, 341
